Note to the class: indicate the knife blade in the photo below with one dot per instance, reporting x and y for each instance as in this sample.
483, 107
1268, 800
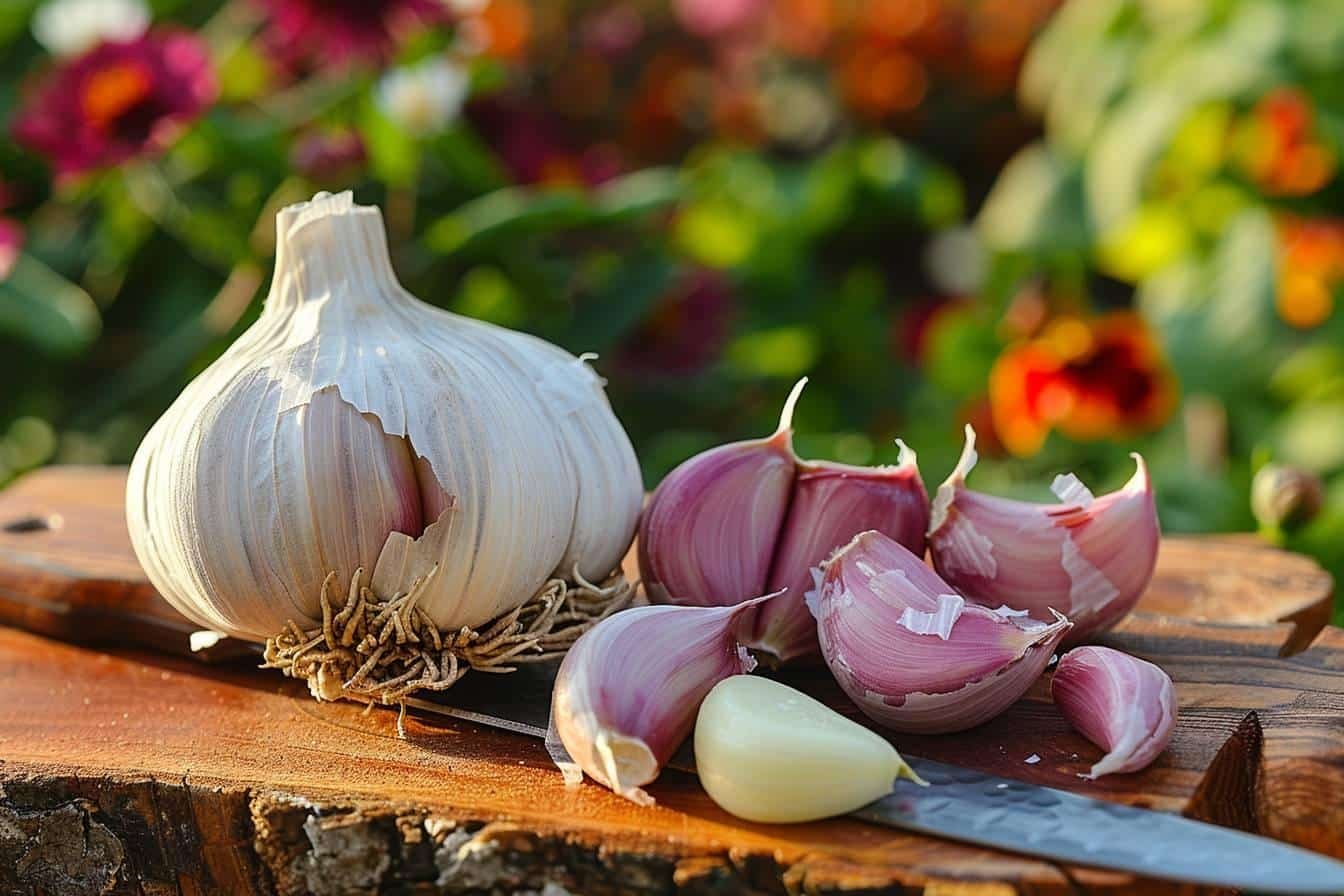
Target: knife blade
986, 810
974, 807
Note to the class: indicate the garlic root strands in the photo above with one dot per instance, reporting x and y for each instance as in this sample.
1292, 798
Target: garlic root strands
355, 427
1088, 558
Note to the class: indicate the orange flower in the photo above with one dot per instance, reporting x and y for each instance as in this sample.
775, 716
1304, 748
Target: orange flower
1311, 266
1089, 378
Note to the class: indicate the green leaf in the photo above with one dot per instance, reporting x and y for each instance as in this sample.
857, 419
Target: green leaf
46, 310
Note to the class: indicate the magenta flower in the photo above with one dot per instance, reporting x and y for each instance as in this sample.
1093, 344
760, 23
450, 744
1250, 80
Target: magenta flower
329, 156
342, 32
686, 330
117, 101
11, 240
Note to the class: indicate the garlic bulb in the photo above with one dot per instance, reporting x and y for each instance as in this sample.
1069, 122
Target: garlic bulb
911, 652
766, 752
749, 517
355, 428
1088, 558
627, 692
1125, 705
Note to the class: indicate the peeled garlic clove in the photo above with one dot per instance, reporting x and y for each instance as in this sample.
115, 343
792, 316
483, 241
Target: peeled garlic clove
1125, 705
709, 530
912, 653
766, 752
831, 504
1089, 558
628, 690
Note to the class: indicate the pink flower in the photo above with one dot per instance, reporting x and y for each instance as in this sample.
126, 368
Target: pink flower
11, 240
712, 19
328, 156
342, 32
117, 101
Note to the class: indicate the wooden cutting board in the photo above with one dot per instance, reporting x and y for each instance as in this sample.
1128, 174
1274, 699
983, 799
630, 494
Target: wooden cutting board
128, 766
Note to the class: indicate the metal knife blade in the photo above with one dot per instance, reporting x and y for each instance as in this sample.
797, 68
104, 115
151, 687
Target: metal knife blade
964, 804
974, 807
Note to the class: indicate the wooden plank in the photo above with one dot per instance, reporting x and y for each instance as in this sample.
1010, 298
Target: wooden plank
182, 778
67, 570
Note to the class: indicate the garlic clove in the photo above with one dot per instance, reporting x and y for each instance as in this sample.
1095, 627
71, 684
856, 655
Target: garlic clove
911, 652
1125, 705
627, 692
1090, 558
831, 504
709, 530
766, 752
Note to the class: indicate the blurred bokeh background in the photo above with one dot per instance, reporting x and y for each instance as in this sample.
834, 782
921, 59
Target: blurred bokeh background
1087, 227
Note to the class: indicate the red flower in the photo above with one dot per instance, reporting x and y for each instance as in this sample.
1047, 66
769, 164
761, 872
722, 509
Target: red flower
11, 240
685, 332
117, 101
341, 32
1090, 379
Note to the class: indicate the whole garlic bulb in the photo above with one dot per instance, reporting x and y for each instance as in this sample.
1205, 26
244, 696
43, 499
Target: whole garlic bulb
356, 427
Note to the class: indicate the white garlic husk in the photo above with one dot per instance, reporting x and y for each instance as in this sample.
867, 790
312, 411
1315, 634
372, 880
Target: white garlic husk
354, 427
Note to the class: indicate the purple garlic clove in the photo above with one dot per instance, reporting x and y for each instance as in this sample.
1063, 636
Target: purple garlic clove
1089, 558
1125, 705
912, 653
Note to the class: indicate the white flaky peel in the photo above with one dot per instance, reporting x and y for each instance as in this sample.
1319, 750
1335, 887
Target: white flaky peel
1088, 557
1125, 705
912, 653
356, 427
628, 690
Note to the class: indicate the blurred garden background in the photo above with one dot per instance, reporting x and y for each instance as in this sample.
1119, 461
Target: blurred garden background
1087, 227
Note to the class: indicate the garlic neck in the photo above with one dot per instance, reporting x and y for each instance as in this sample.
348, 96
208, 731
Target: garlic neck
330, 251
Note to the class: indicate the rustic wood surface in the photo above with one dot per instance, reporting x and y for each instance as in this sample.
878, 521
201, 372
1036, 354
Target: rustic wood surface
129, 771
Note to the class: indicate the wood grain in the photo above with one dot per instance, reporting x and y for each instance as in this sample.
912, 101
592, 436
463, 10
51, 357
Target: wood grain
130, 771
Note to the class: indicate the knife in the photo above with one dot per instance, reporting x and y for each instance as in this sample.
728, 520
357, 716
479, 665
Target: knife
973, 807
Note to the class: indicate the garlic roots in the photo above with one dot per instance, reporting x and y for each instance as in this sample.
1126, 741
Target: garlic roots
1088, 558
912, 653
749, 517
766, 752
628, 690
353, 427
1125, 705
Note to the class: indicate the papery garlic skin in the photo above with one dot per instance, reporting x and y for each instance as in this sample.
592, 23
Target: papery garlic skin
1125, 705
766, 752
912, 653
831, 504
294, 454
708, 533
628, 690
1088, 558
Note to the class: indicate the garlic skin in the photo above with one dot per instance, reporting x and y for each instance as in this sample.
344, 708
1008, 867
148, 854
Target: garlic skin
1125, 705
709, 530
627, 692
1090, 558
831, 504
355, 427
766, 752
912, 653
